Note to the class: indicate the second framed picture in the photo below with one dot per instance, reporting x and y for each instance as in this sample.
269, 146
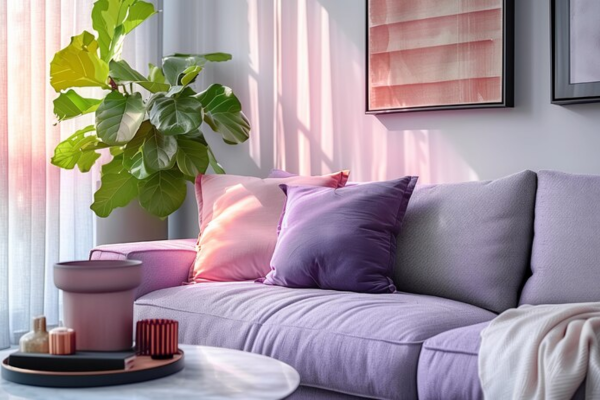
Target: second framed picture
575, 30
439, 54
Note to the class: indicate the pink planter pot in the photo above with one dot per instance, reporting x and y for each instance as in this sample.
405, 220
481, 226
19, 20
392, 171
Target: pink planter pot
98, 301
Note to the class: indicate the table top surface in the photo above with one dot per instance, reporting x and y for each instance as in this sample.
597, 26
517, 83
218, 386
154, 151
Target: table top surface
209, 373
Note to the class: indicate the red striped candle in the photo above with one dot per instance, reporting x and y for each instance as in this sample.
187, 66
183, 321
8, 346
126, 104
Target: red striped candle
157, 338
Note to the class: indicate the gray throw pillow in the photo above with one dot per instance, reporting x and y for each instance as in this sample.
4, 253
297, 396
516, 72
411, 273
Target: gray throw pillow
469, 242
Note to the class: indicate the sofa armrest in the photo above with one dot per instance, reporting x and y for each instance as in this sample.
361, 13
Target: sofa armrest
166, 263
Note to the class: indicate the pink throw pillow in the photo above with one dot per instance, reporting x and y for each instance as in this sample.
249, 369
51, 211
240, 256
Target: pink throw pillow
238, 223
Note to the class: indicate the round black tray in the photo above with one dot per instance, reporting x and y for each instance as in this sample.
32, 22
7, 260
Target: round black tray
144, 369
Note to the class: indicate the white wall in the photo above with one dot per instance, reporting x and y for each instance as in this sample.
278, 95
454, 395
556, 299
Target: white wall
298, 69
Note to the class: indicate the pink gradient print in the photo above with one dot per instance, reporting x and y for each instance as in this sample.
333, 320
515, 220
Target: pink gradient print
434, 52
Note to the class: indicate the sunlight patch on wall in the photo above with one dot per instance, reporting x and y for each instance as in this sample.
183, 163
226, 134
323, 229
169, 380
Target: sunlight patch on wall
416, 154
428, 154
319, 121
304, 154
326, 130
303, 94
253, 87
279, 158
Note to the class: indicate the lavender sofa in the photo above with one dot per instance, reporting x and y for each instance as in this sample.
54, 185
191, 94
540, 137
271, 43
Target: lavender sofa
466, 253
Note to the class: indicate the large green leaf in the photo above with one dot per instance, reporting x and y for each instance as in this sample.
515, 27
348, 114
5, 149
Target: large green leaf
192, 156
87, 160
70, 104
116, 45
162, 193
155, 74
106, 16
138, 167
133, 158
134, 146
115, 166
117, 189
154, 87
159, 151
113, 19
78, 65
223, 113
78, 150
122, 72
119, 117
175, 65
138, 13
176, 115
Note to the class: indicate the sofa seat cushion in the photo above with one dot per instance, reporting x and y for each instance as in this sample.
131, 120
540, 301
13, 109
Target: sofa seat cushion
354, 343
448, 366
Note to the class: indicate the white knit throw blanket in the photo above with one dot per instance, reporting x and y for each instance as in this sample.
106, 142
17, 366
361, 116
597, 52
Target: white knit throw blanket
541, 352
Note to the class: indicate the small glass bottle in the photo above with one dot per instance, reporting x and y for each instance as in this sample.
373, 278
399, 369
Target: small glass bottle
35, 341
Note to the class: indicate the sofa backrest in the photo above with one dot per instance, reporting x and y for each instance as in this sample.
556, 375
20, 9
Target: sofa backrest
469, 242
565, 259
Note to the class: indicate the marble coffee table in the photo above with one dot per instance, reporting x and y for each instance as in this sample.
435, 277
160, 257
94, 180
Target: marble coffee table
209, 373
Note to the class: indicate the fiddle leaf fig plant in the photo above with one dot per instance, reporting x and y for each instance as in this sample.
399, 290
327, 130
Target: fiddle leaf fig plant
155, 134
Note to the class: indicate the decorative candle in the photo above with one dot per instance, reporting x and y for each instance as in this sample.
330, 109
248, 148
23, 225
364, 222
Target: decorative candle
157, 338
35, 341
62, 341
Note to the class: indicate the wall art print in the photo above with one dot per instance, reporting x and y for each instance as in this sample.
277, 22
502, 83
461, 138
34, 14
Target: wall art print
439, 54
575, 31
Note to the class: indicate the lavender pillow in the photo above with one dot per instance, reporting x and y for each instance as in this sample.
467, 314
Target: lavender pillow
341, 239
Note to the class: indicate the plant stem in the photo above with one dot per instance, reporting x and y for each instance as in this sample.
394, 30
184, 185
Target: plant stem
113, 84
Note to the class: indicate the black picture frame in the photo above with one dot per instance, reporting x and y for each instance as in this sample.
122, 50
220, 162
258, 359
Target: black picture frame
563, 91
508, 8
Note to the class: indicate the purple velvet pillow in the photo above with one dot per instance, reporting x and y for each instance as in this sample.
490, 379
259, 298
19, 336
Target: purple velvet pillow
341, 239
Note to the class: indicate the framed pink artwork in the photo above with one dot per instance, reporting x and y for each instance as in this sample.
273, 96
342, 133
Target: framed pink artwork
439, 54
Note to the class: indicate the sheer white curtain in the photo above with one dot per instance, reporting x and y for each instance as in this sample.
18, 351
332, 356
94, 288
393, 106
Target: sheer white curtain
44, 211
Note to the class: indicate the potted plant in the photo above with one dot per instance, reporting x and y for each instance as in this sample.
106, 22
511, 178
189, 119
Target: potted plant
151, 125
